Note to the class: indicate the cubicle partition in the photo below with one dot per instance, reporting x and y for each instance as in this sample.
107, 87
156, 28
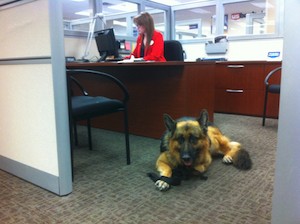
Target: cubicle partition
34, 127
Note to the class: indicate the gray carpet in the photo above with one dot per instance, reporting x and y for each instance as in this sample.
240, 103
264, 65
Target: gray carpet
105, 190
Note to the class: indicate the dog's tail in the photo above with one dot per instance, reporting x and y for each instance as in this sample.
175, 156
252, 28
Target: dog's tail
241, 160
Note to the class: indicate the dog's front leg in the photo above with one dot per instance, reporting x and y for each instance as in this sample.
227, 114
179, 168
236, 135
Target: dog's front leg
165, 170
202, 166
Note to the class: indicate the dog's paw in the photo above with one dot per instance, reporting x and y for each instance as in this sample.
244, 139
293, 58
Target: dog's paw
227, 159
162, 185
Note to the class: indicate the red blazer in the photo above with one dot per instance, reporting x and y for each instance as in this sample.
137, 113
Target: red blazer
155, 51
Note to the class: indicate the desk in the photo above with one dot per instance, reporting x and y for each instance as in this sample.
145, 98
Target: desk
177, 88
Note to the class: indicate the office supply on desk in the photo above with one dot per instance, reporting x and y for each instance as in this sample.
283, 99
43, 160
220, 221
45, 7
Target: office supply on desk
211, 59
219, 46
132, 59
113, 59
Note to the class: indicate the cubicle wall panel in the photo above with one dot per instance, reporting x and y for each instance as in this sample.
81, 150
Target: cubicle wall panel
25, 31
27, 116
35, 143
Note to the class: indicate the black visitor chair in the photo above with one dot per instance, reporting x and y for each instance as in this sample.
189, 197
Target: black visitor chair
86, 107
270, 88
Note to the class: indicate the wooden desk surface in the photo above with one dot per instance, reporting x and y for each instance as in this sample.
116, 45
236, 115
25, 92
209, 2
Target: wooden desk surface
177, 88
120, 64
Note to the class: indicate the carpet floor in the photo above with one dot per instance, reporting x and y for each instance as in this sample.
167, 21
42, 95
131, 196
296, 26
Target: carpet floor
106, 190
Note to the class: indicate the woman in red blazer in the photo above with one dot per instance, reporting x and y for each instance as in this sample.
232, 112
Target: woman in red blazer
150, 43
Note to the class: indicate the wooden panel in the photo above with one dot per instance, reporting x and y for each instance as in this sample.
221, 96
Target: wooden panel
179, 89
231, 76
231, 102
240, 88
200, 88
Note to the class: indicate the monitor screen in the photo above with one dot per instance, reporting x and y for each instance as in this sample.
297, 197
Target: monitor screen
106, 43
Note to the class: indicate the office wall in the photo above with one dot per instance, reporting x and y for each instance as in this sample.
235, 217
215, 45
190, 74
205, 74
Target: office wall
75, 47
286, 198
34, 127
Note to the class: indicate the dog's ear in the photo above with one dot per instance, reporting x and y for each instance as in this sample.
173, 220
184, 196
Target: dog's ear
203, 120
169, 122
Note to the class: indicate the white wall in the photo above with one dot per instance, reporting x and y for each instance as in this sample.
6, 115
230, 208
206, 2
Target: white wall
75, 47
286, 199
239, 50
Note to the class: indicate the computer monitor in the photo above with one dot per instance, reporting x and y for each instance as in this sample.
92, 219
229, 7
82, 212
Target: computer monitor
106, 43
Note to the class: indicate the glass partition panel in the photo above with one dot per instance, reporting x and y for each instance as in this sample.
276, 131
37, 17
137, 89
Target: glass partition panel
76, 15
118, 15
195, 22
252, 17
159, 19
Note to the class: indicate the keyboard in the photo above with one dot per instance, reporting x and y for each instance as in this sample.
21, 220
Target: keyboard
113, 59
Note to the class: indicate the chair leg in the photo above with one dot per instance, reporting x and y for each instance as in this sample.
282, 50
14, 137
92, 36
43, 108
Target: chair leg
265, 108
75, 133
72, 135
89, 134
126, 130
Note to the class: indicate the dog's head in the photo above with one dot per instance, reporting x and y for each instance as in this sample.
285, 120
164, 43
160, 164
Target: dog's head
187, 137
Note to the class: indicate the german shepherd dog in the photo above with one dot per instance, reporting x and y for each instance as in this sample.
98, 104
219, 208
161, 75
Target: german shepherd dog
187, 148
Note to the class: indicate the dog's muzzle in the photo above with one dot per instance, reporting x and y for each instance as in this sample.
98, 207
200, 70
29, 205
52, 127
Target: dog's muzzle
187, 159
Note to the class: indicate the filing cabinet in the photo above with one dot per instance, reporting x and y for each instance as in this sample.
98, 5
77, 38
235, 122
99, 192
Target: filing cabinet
239, 88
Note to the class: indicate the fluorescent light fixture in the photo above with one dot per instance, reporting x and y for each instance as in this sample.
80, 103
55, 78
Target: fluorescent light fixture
118, 23
125, 6
167, 2
85, 12
174, 2
263, 5
200, 11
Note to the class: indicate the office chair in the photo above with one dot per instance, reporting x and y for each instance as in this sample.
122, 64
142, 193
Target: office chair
270, 88
173, 50
86, 107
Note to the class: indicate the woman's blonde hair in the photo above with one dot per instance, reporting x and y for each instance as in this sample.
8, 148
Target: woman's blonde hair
146, 20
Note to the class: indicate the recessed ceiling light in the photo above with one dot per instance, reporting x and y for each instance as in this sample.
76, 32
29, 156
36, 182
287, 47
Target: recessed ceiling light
84, 12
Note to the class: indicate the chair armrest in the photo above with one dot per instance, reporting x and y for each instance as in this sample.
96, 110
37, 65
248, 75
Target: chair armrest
270, 74
122, 87
84, 92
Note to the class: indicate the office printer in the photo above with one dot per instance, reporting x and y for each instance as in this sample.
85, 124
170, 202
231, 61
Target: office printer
218, 46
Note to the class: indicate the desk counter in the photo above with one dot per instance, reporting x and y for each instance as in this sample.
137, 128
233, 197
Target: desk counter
155, 88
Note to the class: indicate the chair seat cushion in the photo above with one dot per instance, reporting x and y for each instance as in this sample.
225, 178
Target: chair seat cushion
274, 88
84, 107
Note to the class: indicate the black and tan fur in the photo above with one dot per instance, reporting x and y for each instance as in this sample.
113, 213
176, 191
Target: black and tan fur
189, 144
